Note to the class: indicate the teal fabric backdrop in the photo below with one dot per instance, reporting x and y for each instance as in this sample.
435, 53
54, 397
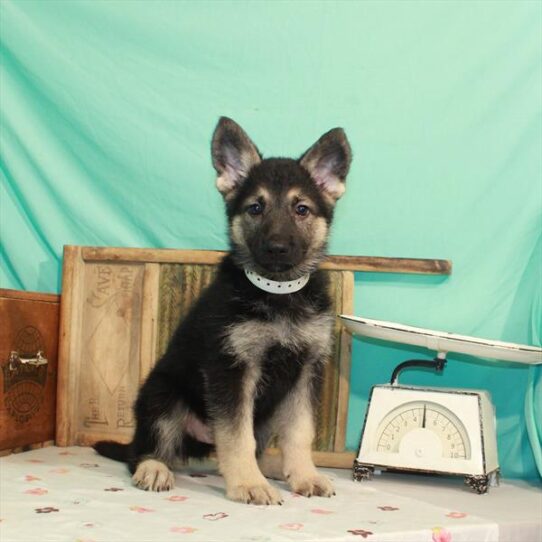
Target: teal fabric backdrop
108, 107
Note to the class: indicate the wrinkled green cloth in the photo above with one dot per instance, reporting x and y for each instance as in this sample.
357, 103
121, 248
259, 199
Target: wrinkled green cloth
108, 108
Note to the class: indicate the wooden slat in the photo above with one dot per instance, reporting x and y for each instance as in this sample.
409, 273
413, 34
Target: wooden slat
338, 460
29, 296
345, 355
327, 408
212, 257
180, 286
70, 323
110, 341
149, 319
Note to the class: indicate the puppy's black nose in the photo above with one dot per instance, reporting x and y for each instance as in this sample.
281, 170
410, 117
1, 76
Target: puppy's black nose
277, 247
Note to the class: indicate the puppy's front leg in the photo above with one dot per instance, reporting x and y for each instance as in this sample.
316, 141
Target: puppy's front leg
296, 433
236, 454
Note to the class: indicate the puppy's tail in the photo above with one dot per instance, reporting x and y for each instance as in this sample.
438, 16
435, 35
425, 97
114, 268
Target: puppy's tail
113, 450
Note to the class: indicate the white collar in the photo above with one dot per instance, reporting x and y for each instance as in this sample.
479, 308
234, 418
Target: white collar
275, 286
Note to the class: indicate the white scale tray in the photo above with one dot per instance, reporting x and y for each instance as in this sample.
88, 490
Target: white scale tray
441, 341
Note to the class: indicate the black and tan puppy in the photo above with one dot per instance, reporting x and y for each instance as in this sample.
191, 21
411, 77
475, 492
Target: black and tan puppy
244, 365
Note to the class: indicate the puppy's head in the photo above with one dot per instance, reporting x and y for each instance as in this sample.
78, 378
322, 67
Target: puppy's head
279, 209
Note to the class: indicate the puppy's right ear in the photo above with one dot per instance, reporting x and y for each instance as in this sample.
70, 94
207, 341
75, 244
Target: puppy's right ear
234, 155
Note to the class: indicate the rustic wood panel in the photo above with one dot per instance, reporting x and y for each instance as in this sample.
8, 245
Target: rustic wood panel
27, 392
119, 309
110, 348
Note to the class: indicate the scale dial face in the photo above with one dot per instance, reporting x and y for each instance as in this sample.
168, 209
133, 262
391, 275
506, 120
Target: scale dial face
423, 429
447, 430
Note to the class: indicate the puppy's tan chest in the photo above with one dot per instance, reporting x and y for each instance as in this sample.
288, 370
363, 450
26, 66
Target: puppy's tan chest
249, 341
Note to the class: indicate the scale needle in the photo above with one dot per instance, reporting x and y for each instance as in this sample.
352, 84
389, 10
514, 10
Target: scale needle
423, 419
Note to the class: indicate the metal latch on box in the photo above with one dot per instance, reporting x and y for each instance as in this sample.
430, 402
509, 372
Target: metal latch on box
16, 360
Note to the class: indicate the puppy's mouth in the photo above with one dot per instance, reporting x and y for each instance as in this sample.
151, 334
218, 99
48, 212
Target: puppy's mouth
278, 267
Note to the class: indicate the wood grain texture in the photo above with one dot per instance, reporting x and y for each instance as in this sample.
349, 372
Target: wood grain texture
69, 341
180, 286
29, 296
338, 460
149, 319
212, 257
110, 343
344, 358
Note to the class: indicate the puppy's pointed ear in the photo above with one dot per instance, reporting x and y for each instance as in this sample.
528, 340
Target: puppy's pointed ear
328, 162
234, 155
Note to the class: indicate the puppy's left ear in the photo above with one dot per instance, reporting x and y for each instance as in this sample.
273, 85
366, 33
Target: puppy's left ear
328, 162
234, 155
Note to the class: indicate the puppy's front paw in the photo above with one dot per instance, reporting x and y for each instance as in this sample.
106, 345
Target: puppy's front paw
315, 484
254, 494
153, 475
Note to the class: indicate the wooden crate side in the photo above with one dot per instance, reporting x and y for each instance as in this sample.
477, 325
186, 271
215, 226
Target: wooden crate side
29, 324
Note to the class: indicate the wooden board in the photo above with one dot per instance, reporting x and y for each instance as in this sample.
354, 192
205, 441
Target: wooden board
212, 257
119, 309
27, 392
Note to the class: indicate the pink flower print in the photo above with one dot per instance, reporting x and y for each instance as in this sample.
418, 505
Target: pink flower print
441, 535
34, 460
215, 517
36, 491
66, 453
140, 509
387, 508
456, 515
176, 498
46, 510
60, 470
292, 526
183, 530
360, 532
31, 478
322, 511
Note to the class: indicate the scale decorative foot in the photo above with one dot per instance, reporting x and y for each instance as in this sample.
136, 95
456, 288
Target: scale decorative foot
362, 472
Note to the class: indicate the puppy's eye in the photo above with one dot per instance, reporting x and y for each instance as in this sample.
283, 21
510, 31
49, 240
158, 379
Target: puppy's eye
255, 209
302, 210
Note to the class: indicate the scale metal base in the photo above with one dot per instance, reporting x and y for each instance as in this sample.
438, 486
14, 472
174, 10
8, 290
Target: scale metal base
479, 483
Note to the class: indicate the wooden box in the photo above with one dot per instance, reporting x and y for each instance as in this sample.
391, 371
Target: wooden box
28, 376
119, 309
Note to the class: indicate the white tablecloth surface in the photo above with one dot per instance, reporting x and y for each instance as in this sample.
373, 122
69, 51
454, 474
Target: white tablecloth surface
72, 494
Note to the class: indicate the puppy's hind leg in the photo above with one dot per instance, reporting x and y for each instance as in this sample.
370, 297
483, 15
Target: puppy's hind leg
156, 449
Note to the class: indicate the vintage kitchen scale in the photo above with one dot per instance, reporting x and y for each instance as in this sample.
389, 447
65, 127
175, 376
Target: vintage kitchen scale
430, 429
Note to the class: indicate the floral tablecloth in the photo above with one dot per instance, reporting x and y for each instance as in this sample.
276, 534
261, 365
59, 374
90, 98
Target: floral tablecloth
72, 494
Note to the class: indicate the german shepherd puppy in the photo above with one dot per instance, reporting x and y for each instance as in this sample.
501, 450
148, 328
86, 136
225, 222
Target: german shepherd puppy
245, 363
